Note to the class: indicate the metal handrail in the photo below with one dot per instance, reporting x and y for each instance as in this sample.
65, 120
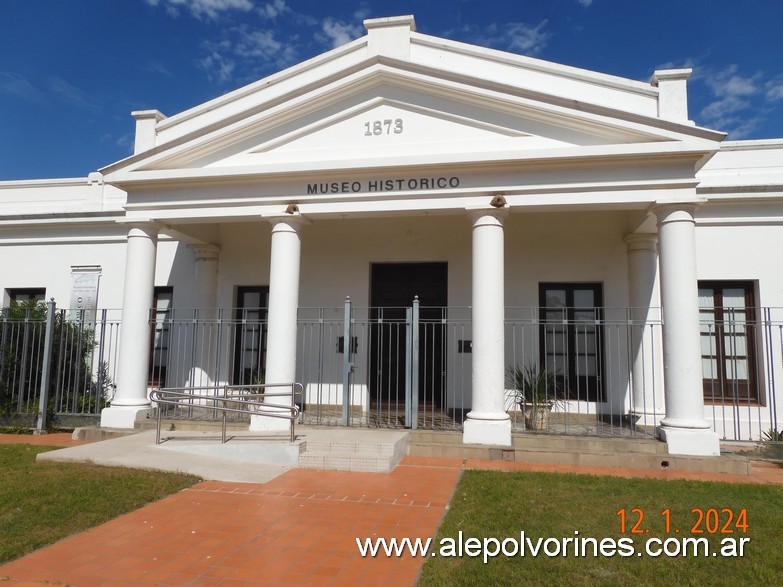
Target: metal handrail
239, 402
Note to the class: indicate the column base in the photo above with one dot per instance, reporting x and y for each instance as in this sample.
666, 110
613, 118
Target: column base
487, 432
267, 424
690, 441
123, 416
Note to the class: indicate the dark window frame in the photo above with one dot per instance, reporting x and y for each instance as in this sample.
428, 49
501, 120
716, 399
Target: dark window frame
37, 293
572, 386
161, 320
255, 335
745, 393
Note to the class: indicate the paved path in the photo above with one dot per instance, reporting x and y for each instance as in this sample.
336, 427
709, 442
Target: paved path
298, 529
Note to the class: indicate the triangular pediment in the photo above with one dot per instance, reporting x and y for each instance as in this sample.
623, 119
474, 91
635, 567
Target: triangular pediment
398, 123
383, 111
392, 117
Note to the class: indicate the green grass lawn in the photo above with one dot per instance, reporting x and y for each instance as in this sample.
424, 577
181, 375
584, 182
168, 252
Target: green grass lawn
41, 503
500, 505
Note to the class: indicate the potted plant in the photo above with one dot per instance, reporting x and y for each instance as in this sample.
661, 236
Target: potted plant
535, 390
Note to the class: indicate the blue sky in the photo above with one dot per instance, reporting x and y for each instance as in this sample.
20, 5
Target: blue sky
71, 71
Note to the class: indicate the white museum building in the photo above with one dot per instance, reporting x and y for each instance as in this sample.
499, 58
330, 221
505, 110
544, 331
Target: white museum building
401, 223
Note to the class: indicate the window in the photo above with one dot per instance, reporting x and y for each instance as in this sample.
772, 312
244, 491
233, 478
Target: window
250, 334
728, 341
26, 294
159, 345
571, 338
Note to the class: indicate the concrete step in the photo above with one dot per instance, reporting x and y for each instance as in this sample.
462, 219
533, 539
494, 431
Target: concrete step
364, 464
96, 433
367, 451
532, 441
634, 453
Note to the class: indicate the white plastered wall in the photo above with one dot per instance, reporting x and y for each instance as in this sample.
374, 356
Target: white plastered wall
49, 266
568, 247
337, 255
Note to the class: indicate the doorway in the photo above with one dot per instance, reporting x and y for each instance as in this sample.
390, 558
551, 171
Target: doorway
392, 289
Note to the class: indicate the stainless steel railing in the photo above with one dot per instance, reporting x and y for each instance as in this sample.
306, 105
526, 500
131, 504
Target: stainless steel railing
244, 399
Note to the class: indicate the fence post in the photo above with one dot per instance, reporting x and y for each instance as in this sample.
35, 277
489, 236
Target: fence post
4, 329
414, 358
43, 398
408, 366
100, 381
347, 364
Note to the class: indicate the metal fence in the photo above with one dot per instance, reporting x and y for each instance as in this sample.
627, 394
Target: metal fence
742, 364
57, 366
402, 367
408, 367
600, 367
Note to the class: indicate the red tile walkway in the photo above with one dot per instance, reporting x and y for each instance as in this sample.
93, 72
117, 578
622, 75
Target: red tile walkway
298, 529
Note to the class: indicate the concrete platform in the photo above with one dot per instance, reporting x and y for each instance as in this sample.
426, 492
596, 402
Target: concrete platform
182, 453
251, 457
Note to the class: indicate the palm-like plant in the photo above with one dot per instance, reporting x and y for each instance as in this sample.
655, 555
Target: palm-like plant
534, 386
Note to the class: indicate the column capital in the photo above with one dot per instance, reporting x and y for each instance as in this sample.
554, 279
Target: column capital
484, 216
206, 252
294, 222
678, 210
641, 242
143, 228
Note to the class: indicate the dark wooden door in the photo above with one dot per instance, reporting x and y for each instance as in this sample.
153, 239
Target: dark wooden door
393, 288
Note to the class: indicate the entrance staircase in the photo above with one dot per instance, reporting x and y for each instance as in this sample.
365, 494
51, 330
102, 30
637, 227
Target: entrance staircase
369, 451
381, 450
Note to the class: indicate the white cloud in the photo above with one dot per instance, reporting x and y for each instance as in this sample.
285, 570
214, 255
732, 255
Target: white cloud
253, 45
687, 63
723, 110
70, 93
259, 43
15, 84
210, 9
216, 63
362, 12
513, 36
733, 96
774, 90
526, 39
158, 67
272, 10
744, 128
585, 3
730, 83
340, 33
245, 52
125, 142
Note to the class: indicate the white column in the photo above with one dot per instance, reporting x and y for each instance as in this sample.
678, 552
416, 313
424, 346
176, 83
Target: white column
645, 303
204, 373
488, 422
282, 312
130, 402
684, 428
